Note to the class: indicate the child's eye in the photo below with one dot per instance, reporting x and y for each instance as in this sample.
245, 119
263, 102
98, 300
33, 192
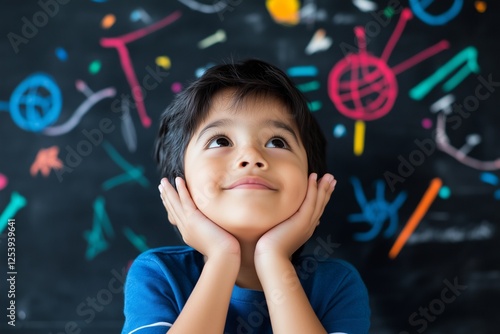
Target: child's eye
277, 142
218, 142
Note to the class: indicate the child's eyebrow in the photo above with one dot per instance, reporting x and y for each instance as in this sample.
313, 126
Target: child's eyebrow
282, 125
215, 124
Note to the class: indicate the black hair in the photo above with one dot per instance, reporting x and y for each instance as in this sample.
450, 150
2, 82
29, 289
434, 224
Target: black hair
190, 107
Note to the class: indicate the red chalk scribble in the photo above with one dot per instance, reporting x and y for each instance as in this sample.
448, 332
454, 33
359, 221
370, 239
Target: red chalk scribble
120, 44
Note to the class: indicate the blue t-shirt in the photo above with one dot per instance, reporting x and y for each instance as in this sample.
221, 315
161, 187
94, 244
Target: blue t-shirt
160, 281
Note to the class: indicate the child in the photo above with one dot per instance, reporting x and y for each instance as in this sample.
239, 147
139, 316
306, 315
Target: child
244, 154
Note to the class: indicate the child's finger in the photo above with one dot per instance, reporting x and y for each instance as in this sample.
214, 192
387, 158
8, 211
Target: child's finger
171, 202
325, 189
184, 196
323, 196
308, 206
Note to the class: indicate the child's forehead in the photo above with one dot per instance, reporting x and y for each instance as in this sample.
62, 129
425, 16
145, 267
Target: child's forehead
232, 101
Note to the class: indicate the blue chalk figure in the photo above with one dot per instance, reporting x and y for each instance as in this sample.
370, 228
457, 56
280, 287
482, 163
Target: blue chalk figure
376, 212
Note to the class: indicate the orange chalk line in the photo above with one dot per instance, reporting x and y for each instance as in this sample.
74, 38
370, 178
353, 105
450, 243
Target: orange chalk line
416, 217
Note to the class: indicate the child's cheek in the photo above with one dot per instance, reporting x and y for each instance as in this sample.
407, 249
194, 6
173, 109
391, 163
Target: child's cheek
203, 194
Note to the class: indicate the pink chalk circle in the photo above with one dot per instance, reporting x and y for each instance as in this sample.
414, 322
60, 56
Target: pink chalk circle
3, 181
176, 87
426, 123
362, 87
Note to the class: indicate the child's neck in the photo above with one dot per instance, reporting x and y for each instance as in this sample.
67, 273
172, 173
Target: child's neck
247, 277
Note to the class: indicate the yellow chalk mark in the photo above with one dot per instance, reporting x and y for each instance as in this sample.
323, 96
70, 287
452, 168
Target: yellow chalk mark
163, 61
284, 11
359, 137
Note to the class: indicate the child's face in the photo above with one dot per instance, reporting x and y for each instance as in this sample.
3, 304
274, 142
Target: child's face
257, 142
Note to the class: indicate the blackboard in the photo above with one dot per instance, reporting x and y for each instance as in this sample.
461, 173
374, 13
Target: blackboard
405, 91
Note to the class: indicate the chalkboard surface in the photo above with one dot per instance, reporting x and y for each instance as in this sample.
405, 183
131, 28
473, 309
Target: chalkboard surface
407, 93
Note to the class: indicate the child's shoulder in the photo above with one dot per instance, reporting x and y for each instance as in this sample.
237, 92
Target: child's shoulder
169, 256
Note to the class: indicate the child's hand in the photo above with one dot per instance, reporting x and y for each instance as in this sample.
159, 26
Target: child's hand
196, 229
285, 238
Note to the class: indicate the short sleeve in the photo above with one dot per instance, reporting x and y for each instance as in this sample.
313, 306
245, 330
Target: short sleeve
149, 306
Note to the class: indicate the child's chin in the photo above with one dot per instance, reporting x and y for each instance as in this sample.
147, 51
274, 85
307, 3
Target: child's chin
245, 228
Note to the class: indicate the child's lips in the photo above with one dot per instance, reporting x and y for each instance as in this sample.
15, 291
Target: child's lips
251, 183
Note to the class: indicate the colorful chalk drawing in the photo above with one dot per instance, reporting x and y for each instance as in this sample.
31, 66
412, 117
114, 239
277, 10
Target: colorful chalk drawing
286, 12
17, 202
319, 42
490, 178
101, 230
83, 108
215, 7
45, 160
35, 103
480, 6
201, 70
419, 8
120, 44
376, 212
417, 215
140, 15
131, 173
467, 56
443, 144
4, 181
95, 66
61, 53
128, 129
363, 87
108, 21
176, 87
339, 131
310, 14
218, 37
443, 104
365, 5
163, 61
307, 71
139, 241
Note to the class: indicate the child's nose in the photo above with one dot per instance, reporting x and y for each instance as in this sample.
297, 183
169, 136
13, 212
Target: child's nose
251, 157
